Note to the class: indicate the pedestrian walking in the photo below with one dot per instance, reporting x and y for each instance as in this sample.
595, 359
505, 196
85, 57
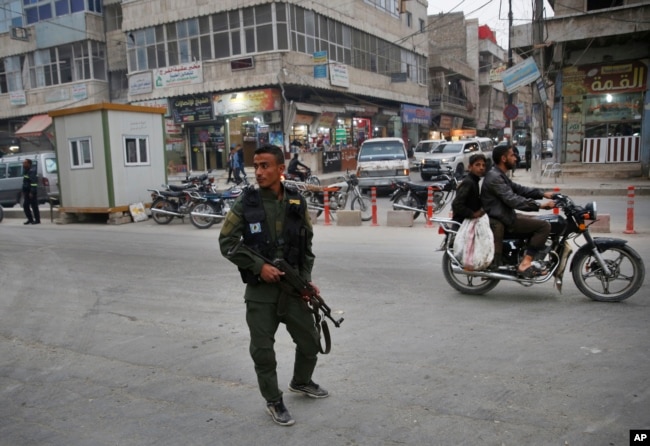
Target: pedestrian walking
273, 219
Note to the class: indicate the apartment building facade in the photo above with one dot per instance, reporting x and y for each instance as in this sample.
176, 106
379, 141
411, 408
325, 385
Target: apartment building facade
230, 72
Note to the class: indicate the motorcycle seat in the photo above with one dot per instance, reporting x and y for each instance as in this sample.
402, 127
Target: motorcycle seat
171, 193
176, 188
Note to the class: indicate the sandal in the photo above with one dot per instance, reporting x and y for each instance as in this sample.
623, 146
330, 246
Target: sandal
532, 271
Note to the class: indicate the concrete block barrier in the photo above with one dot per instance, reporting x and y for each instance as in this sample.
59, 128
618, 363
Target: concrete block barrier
313, 216
602, 224
348, 218
399, 218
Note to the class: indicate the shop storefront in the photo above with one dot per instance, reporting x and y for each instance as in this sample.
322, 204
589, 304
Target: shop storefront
415, 124
202, 134
602, 111
251, 118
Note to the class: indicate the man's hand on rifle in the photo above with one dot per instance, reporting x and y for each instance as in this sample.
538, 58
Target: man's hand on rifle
270, 273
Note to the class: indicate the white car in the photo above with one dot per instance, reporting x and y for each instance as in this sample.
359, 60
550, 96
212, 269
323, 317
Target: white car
448, 157
425, 147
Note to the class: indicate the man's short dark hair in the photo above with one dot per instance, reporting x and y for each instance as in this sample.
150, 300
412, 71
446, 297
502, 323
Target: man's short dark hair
499, 152
476, 157
28, 161
273, 150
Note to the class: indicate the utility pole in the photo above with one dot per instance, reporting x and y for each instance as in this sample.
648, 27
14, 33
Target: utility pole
509, 123
539, 105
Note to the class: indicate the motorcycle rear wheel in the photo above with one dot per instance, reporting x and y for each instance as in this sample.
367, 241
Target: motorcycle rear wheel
409, 201
363, 204
627, 275
203, 222
464, 283
161, 219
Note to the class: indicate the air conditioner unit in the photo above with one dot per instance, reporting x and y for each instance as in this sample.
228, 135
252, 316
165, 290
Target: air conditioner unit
272, 117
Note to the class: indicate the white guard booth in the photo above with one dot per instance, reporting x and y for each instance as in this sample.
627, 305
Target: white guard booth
108, 156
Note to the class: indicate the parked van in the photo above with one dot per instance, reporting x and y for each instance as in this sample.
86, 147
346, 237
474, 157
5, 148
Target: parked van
381, 161
11, 176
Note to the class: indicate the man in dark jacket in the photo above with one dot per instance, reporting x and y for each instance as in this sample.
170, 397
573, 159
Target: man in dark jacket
30, 188
467, 203
501, 197
295, 165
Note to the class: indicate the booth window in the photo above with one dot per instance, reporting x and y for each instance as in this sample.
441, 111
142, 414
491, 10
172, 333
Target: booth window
81, 155
136, 150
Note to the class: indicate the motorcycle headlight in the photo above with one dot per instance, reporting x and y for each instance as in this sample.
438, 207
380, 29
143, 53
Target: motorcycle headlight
592, 211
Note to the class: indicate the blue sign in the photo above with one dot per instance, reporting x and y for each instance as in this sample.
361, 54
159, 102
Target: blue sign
416, 115
521, 74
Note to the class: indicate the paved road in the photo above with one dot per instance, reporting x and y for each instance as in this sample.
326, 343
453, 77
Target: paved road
135, 335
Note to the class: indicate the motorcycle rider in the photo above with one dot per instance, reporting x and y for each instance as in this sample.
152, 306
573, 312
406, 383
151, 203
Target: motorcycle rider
294, 168
274, 220
501, 197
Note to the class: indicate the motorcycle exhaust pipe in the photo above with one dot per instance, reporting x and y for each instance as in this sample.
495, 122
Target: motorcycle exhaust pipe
406, 208
486, 274
203, 215
163, 211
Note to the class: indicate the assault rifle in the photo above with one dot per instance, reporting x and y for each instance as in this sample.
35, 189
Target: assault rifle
312, 299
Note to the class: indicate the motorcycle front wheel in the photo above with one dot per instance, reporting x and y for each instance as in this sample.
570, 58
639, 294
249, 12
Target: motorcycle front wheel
464, 283
627, 272
407, 200
204, 208
164, 205
313, 180
363, 204
316, 202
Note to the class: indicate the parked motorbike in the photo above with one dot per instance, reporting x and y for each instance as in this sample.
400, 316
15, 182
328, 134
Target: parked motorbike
410, 196
603, 268
339, 195
167, 204
175, 200
211, 208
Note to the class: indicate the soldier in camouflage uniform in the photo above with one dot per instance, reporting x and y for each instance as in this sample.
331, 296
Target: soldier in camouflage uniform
274, 220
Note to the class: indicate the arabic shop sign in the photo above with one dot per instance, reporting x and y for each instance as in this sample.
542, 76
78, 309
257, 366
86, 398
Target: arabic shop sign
185, 74
251, 101
598, 79
194, 108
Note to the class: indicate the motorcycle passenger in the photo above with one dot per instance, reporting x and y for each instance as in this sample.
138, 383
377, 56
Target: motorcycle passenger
273, 219
295, 168
501, 197
467, 203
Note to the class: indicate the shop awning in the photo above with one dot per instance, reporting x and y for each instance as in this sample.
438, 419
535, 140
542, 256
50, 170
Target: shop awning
310, 108
34, 127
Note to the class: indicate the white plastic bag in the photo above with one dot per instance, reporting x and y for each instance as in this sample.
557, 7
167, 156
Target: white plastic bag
474, 243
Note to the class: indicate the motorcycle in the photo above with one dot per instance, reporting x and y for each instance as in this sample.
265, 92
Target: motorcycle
410, 196
309, 178
211, 208
339, 195
603, 268
176, 201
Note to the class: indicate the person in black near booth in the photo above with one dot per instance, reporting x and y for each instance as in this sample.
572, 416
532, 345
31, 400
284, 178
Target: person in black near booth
30, 197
